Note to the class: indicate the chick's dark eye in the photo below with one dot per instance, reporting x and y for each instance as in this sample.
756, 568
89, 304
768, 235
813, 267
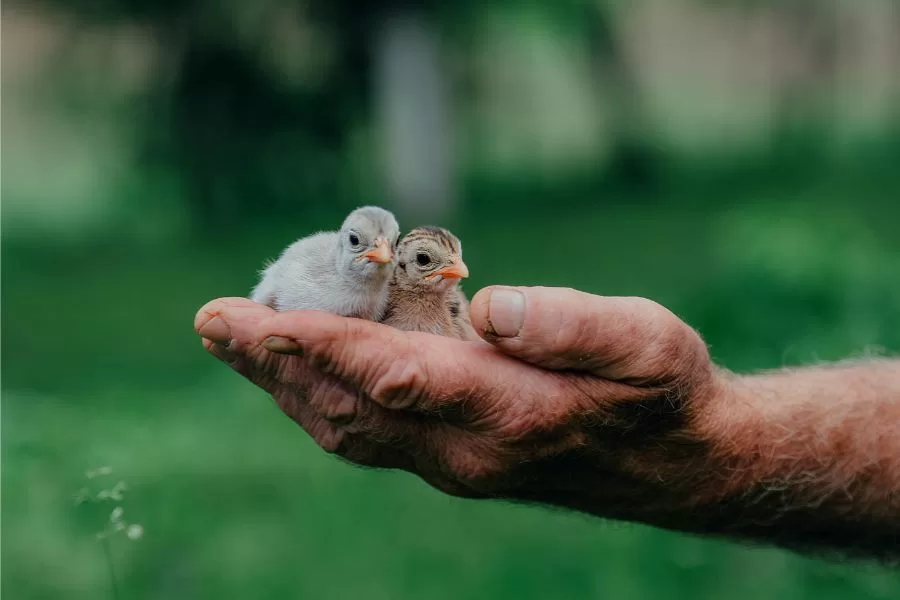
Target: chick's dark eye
354, 239
423, 259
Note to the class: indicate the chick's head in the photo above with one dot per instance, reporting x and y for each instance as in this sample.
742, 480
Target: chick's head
368, 242
430, 260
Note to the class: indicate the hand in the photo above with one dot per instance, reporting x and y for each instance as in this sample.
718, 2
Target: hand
589, 402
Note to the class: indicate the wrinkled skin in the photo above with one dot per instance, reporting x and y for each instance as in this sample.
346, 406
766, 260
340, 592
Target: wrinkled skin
591, 403
609, 406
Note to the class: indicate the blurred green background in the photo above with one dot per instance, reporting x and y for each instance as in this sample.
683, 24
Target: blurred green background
736, 161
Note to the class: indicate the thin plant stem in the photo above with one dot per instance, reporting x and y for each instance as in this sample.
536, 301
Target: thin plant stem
112, 571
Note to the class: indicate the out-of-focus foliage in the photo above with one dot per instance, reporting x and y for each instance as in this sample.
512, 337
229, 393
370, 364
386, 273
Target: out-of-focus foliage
734, 161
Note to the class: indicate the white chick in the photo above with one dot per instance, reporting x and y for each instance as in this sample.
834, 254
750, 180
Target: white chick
345, 272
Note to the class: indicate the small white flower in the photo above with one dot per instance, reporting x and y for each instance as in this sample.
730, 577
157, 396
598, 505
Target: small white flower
116, 514
116, 492
135, 532
91, 473
103, 495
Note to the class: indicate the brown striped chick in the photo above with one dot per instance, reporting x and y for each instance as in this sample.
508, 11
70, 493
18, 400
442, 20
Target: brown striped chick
424, 294
462, 321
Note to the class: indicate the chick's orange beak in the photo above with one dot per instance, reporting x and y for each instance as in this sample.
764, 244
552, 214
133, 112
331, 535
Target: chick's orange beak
456, 270
381, 254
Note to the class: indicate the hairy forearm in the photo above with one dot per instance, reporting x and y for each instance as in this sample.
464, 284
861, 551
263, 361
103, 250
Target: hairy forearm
807, 458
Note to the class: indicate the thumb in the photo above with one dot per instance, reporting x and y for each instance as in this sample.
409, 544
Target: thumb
634, 340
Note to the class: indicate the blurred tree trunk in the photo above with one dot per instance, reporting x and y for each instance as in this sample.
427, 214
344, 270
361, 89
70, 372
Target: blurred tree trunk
814, 27
633, 160
413, 115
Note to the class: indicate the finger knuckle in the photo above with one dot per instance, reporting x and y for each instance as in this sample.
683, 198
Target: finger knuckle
648, 312
572, 326
333, 353
402, 384
369, 420
674, 349
327, 437
330, 400
478, 470
339, 408
569, 330
318, 393
288, 370
681, 344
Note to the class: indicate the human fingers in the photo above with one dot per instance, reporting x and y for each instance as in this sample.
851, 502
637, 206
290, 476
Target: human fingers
633, 340
398, 370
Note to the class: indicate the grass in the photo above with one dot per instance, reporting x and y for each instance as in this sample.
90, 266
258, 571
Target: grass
101, 366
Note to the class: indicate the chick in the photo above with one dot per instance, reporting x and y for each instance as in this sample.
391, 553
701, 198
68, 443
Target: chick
461, 317
424, 292
344, 272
